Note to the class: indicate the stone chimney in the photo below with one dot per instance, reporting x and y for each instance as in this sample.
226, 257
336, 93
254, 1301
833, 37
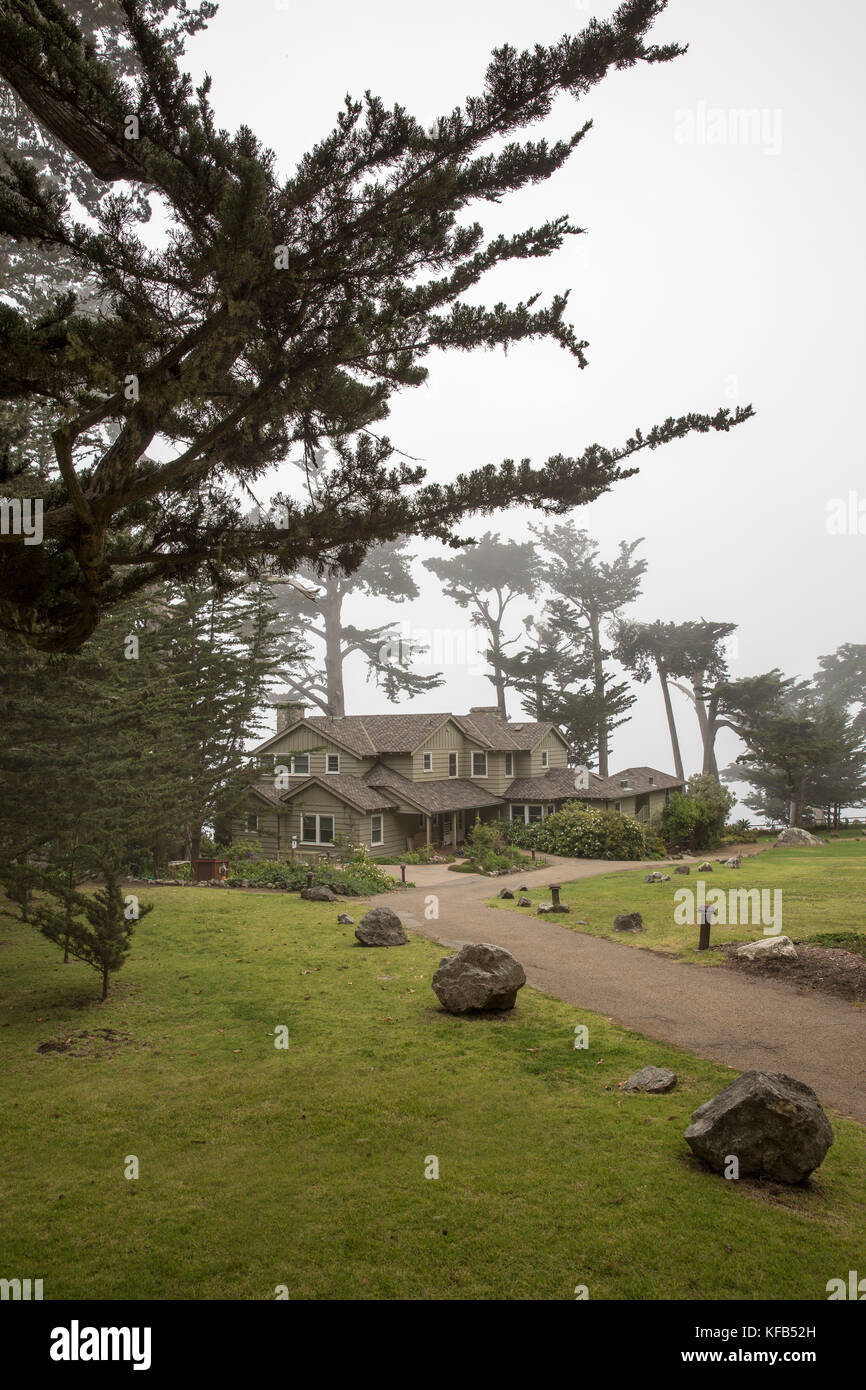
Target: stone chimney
288, 712
486, 709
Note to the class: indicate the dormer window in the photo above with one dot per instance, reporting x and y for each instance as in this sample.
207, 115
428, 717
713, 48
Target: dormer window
624, 782
427, 762
332, 762
652, 781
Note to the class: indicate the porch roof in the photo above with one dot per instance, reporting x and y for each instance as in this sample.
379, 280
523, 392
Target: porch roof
455, 794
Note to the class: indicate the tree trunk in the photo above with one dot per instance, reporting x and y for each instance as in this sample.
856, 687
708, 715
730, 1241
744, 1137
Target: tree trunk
104, 982
598, 686
193, 842
672, 728
332, 616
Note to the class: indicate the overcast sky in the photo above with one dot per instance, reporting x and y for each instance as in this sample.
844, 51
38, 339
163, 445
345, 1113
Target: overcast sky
722, 264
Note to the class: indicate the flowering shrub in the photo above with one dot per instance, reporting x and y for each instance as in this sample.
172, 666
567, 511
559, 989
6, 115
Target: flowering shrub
578, 832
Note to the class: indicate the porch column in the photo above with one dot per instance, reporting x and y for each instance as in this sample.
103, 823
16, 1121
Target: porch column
428, 823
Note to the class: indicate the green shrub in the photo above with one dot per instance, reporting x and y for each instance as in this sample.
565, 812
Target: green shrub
356, 879
580, 832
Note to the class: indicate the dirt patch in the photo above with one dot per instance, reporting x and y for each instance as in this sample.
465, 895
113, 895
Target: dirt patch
90, 1042
829, 971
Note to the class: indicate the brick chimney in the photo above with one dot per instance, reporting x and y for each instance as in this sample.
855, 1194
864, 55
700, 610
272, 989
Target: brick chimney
288, 712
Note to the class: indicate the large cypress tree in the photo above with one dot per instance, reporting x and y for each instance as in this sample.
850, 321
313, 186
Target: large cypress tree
280, 310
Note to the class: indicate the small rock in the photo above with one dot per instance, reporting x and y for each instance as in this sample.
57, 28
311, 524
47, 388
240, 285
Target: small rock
734, 863
346, 920
319, 894
524, 902
653, 878
381, 927
665, 878
656, 1080
478, 977
705, 868
544, 907
523, 888
505, 893
682, 869
772, 1124
628, 921
768, 946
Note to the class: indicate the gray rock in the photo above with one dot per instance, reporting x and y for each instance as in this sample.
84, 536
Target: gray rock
656, 1080
734, 863
346, 920
628, 921
319, 894
544, 907
795, 836
705, 868
653, 878
682, 869
524, 902
768, 946
665, 878
523, 888
478, 977
381, 927
505, 893
771, 1123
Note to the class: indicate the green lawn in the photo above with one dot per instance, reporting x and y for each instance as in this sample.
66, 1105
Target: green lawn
823, 891
305, 1167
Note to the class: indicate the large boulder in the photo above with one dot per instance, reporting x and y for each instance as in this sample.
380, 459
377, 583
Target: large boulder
655, 1080
628, 921
682, 869
319, 894
768, 946
478, 977
773, 1125
795, 836
381, 927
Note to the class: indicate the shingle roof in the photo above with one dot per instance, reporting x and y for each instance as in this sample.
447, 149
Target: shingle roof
559, 784
555, 785
638, 779
455, 794
369, 734
501, 734
346, 788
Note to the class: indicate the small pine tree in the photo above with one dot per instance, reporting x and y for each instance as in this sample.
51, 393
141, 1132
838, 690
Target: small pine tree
95, 929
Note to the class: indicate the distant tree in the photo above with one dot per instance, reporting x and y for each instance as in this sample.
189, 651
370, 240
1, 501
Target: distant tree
841, 680
274, 312
551, 680
313, 612
485, 579
646, 647
586, 593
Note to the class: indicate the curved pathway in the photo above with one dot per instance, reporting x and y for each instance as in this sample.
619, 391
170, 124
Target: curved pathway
718, 1014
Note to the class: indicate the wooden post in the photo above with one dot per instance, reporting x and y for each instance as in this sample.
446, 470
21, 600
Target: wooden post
309, 879
403, 873
705, 922
532, 852
554, 893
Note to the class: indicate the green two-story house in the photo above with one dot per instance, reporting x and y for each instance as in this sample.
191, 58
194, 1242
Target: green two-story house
393, 782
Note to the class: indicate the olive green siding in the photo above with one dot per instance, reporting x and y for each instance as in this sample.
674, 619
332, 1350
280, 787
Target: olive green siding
305, 741
557, 755
447, 739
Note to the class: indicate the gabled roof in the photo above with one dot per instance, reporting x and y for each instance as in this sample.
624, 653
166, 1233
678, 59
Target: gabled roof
560, 784
452, 794
638, 779
502, 734
342, 785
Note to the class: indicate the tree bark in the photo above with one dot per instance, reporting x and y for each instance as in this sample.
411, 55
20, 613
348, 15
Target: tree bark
672, 728
332, 616
598, 684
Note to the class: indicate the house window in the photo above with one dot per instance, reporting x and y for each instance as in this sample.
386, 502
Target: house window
317, 830
616, 805
518, 812
479, 764
266, 762
253, 824
550, 808
299, 765
545, 757
509, 764
428, 762
533, 814
376, 836
624, 782
652, 781
332, 762
452, 764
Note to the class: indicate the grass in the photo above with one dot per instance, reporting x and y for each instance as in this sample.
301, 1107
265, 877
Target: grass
305, 1167
823, 891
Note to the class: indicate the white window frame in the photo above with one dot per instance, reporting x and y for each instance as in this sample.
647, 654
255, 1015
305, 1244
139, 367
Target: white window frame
540, 807
479, 753
251, 829
453, 753
516, 806
332, 770
427, 761
509, 764
293, 757
381, 819
545, 758
314, 815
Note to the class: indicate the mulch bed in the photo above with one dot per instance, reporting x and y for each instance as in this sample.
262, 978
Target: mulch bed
829, 971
